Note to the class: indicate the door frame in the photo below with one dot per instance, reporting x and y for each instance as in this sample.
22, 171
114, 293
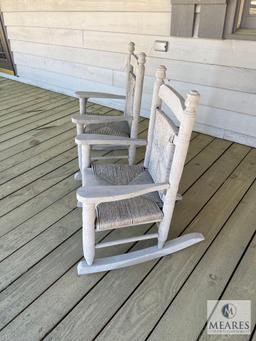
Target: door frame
6, 66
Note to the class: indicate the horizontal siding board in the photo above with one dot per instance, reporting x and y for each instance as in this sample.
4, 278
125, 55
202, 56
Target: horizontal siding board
220, 52
56, 82
207, 115
227, 120
215, 97
237, 79
67, 45
76, 70
212, 96
65, 37
88, 5
221, 98
105, 59
223, 52
226, 134
60, 82
129, 22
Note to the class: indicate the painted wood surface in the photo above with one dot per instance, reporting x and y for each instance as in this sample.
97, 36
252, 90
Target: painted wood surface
43, 296
241, 286
140, 256
163, 162
63, 46
224, 122
219, 52
80, 5
127, 22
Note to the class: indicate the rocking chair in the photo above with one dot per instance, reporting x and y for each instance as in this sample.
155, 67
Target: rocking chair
116, 195
125, 125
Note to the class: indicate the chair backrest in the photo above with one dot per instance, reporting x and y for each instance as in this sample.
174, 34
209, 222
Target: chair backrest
168, 143
134, 87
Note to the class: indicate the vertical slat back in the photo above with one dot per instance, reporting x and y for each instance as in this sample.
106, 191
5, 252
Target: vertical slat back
173, 100
162, 148
168, 144
178, 161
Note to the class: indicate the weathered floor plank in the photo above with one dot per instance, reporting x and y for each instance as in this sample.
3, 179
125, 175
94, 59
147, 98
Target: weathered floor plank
36, 108
147, 306
210, 276
51, 318
29, 229
242, 285
31, 116
40, 235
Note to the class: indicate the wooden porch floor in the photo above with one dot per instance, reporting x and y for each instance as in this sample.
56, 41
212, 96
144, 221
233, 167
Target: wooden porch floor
40, 245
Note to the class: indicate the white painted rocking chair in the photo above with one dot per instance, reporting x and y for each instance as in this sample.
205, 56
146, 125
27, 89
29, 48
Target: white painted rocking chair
125, 125
118, 195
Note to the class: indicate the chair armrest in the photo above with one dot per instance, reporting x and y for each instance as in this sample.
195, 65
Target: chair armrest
98, 194
91, 119
90, 94
97, 139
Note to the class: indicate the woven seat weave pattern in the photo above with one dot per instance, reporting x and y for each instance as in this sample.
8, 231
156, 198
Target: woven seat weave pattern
114, 129
142, 209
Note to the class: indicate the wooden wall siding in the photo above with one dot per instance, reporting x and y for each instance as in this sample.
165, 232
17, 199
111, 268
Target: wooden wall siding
201, 74
220, 52
128, 22
86, 5
66, 45
215, 97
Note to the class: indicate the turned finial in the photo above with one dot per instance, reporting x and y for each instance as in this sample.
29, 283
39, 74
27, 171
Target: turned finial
192, 100
161, 72
142, 58
131, 47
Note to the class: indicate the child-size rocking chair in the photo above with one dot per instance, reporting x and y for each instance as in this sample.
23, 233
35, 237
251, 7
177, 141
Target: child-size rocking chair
125, 125
118, 195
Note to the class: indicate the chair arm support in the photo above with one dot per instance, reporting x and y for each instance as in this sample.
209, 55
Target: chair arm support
99, 194
91, 94
92, 119
97, 139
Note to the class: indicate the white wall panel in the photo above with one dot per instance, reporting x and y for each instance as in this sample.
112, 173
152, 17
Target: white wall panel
67, 45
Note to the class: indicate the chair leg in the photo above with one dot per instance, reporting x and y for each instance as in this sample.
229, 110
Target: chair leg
86, 161
82, 105
88, 233
78, 175
79, 131
162, 233
164, 225
179, 197
132, 155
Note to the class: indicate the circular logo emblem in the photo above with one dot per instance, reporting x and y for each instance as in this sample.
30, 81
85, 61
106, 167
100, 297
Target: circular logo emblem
229, 310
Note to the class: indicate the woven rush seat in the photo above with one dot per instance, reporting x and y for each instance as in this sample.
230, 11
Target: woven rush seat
120, 128
127, 212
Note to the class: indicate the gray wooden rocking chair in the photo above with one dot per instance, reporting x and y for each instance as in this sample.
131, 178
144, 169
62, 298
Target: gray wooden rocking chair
125, 125
118, 195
